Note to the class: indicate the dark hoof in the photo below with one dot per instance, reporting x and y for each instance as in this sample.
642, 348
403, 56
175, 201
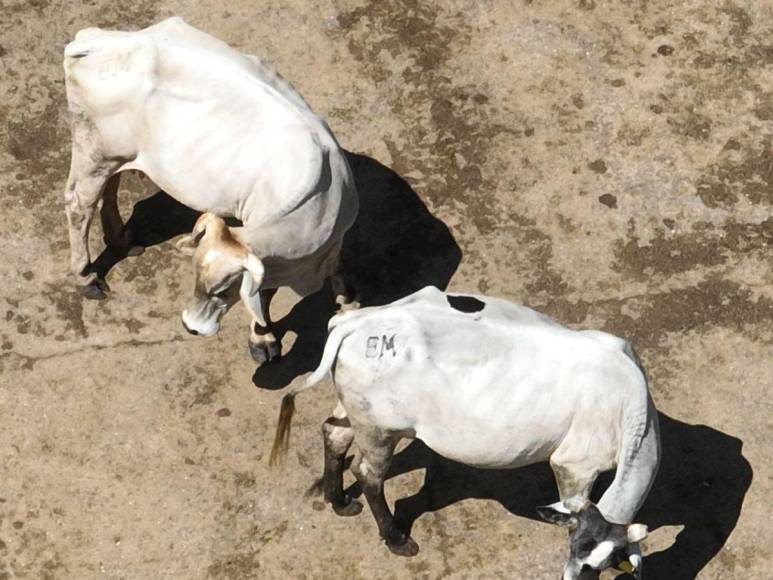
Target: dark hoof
265, 352
94, 290
406, 548
351, 507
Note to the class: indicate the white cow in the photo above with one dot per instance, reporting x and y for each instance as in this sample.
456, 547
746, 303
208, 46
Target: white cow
491, 384
223, 134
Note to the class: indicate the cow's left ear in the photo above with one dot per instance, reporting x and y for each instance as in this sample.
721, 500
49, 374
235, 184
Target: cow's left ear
252, 280
187, 244
557, 513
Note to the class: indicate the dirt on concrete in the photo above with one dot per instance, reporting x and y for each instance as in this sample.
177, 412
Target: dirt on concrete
607, 163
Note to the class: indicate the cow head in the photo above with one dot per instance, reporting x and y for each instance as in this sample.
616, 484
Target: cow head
595, 543
224, 270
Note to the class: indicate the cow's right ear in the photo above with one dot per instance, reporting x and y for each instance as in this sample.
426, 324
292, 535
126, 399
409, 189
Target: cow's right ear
558, 514
188, 243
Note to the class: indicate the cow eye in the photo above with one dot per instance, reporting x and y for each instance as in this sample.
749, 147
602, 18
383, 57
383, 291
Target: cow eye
586, 546
220, 293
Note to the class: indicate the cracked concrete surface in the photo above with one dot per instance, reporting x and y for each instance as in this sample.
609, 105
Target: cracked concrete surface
607, 163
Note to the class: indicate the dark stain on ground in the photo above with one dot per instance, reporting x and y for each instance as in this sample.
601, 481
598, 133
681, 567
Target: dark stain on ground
37, 143
243, 565
133, 325
598, 166
714, 303
33, 544
705, 246
128, 15
197, 386
740, 22
711, 304
458, 132
535, 251
665, 50
748, 174
608, 200
69, 306
692, 125
244, 479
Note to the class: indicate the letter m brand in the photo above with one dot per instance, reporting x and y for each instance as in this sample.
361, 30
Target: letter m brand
388, 344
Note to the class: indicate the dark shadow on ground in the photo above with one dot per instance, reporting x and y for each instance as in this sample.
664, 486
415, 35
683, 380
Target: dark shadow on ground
395, 247
701, 485
154, 220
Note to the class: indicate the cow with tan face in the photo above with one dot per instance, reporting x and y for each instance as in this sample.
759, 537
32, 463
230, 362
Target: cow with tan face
222, 134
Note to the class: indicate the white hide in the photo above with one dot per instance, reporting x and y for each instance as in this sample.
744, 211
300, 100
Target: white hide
501, 387
219, 132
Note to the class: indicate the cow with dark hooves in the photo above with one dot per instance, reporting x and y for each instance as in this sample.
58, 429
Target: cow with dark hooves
532, 390
223, 134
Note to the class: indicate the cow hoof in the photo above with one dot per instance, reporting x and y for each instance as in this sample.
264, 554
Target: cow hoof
94, 290
265, 352
351, 507
406, 548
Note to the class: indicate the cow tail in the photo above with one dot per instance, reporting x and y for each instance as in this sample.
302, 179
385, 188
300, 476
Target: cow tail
287, 408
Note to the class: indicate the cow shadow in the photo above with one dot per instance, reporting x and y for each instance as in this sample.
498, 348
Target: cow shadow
395, 247
154, 220
701, 485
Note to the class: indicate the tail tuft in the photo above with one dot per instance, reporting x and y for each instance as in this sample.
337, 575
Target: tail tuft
283, 426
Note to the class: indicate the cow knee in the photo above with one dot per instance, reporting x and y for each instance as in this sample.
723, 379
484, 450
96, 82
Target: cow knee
367, 474
338, 434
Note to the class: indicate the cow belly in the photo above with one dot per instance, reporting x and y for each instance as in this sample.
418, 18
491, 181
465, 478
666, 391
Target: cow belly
486, 419
493, 450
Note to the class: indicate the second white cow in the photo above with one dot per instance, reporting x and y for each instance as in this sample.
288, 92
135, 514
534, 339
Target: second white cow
491, 384
221, 133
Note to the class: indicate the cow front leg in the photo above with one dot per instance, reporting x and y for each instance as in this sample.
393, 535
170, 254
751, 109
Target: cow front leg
573, 479
338, 435
263, 344
370, 466
82, 195
117, 236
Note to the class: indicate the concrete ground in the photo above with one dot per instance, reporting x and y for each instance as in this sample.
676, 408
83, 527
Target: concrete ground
608, 163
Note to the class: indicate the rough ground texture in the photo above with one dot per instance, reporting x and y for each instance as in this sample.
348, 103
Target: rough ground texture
608, 163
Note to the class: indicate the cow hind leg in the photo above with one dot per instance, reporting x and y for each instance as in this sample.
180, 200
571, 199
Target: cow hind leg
82, 194
370, 466
117, 236
263, 344
338, 435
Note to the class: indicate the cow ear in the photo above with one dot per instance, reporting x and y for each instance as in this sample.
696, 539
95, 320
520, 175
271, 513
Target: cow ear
254, 272
558, 514
636, 533
188, 243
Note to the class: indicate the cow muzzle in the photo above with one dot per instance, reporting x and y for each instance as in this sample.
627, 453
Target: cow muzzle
198, 327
